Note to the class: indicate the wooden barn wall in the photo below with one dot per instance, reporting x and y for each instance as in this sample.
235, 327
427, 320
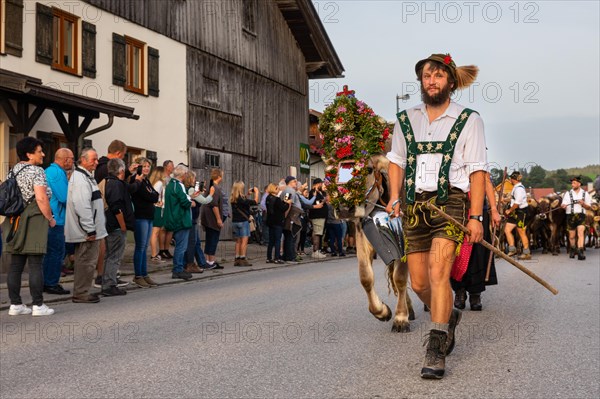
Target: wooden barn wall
258, 121
218, 28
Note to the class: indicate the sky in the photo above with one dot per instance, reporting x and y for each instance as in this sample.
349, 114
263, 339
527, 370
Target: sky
538, 89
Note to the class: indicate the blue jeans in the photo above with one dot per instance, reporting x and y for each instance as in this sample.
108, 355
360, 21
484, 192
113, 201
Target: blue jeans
274, 242
181, 242
194, 249
334, 234
55, 254
142, 233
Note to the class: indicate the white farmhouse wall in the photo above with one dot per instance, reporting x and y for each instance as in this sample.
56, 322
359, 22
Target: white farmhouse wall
162, 126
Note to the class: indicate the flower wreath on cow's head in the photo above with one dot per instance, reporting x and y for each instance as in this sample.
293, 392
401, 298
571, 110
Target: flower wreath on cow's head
352, 133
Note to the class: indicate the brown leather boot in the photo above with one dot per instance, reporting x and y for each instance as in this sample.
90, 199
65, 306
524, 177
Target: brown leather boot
435, 356
193, 268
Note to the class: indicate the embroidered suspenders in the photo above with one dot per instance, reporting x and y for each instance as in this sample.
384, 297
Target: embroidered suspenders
573, 202
414, 148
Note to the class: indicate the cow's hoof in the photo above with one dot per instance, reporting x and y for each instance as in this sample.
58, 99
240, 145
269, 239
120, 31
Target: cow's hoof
411, 314
401, 327
388, 314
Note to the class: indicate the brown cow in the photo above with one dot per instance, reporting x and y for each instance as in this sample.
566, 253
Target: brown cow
397, 272
592, 223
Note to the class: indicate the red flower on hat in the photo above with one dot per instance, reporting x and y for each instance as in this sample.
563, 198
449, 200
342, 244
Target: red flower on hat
447, 59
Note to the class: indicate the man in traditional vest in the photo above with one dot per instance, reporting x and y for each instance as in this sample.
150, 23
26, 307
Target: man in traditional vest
439, 155
576, 201
517, 216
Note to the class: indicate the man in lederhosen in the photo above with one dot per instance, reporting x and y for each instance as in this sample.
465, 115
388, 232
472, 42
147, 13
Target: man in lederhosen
438, 153
576, 201
517, 216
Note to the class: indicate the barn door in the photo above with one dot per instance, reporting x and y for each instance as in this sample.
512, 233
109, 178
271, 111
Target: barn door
202, 161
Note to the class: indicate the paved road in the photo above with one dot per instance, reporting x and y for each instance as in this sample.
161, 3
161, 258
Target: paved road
304, 331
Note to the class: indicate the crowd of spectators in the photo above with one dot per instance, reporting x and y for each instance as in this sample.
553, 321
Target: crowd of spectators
86, 209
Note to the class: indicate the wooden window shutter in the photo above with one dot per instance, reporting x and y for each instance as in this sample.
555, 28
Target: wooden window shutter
13, 34
43, 34
88, 49
119, 75
153, 71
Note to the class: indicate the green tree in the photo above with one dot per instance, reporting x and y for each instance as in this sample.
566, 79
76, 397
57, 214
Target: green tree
536, 176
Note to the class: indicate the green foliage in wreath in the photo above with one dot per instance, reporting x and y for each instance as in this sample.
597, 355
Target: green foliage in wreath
351, 132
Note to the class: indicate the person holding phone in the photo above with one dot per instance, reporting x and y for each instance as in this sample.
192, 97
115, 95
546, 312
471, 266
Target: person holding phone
317, 217
194, 249
144, 197
212, 221
293, 224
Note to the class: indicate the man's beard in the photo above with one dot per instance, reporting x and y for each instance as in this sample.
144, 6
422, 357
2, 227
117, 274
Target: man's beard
437, 99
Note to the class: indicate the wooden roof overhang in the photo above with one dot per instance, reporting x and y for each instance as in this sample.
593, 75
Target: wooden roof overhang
303, 20
29, 93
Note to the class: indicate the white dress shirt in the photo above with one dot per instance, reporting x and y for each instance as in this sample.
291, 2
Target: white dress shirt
518, 196
469, 154
576, 208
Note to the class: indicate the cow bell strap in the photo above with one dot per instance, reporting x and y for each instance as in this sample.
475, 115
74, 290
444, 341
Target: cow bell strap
414, 148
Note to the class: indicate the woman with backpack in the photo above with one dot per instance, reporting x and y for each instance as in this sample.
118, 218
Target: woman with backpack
27, 234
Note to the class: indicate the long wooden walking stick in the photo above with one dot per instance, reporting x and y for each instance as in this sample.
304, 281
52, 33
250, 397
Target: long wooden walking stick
489, 246
491, 257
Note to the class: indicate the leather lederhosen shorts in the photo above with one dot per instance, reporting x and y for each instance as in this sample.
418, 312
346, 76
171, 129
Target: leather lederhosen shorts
519, 217
574, 220
421, 225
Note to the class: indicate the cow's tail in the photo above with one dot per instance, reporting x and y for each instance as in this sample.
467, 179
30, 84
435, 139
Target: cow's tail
389, 271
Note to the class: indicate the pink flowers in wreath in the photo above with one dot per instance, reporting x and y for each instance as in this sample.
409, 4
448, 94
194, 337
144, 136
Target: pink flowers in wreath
352, 133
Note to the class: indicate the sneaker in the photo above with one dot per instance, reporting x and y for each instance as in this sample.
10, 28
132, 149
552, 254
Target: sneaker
141, 282
279, 262
455, 317
156, 258
16, 310
121, 283
98, 282
42, 310
113, 290
342, 254
56, 290
182, 275
150, 282
291, 262
237, 262
524, 257
165, 254
208, 266
318, 255
435, 356
270, 261
217, 266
